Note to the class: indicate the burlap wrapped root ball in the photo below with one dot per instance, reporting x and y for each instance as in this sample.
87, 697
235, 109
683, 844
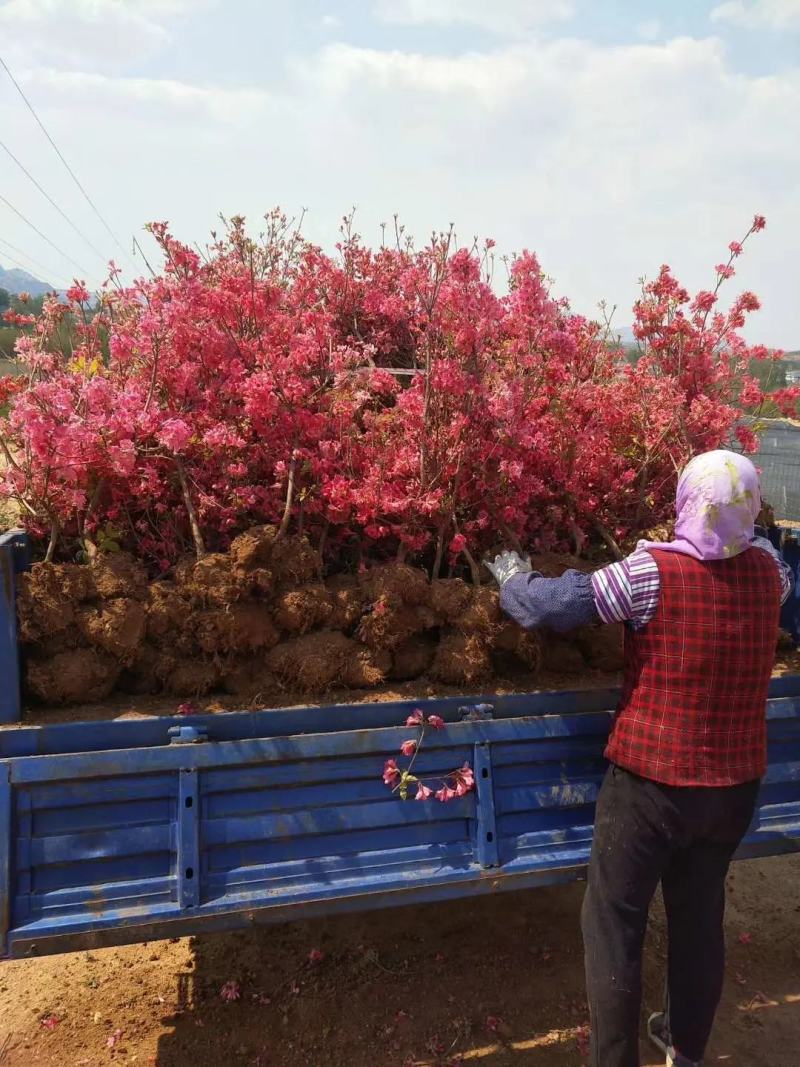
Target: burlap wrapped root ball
516, 647
168, 616
83, 675
413, 657
117, 575
398, 606
449, 598
348, 602
300, 610
165, 670
236, 629
317, 661
388, 624
212, 580
47, 597
482, 615
251, 680
396, 582
461, 659
115, 626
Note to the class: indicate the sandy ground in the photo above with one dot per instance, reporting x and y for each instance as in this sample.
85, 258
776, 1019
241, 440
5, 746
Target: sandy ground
495, 982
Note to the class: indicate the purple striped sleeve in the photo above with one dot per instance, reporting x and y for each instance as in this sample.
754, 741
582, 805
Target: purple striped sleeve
612, 592
645, 587
627, 591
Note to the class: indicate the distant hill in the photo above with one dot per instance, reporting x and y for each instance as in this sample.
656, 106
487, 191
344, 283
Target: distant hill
627, 340
624, 334
18, 281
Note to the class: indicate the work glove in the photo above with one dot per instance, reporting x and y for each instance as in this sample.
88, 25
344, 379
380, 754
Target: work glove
506, 565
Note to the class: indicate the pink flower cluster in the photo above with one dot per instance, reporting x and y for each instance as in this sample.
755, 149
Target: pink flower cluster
387, 399
455, 784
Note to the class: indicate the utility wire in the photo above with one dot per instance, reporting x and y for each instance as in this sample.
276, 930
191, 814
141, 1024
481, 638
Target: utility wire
10, 259
35, 262
52, 202
69, 169
44, 236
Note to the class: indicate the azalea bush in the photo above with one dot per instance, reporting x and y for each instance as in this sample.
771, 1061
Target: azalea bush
387, 403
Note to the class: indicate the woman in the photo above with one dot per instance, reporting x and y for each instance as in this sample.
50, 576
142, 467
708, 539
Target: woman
687, 748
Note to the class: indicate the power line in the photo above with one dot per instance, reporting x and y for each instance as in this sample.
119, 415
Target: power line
44, 236
35, 262
51, 201
16, 262
69, 169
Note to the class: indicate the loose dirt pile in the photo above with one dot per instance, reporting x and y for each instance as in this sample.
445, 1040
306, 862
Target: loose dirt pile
259, 620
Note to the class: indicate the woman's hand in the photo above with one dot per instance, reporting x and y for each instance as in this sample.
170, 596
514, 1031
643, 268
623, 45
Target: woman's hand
506, 565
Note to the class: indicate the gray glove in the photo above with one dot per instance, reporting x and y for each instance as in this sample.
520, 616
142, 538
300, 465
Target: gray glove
506, 565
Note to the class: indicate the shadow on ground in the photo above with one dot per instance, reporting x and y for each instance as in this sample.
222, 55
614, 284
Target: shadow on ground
496, 981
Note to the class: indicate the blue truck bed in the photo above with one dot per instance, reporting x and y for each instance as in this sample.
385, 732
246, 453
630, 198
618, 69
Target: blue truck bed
112, 832
116, 831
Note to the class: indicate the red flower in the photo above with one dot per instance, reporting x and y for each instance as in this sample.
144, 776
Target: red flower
458, 544
423, 792
408, 748
759, 222
415, 718
391, 772
436, 721
465, 780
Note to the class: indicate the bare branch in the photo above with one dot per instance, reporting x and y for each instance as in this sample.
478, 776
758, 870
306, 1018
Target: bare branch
287, 511
194, 525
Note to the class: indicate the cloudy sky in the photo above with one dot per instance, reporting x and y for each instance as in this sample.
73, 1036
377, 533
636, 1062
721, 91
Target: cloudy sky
608, 135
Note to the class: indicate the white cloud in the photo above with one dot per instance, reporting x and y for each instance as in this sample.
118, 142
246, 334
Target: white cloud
98, 33
488, 75
500, 16
607, 160
755, 14
149, 99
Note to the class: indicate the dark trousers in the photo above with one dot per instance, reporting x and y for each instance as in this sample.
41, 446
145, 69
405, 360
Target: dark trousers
685, 838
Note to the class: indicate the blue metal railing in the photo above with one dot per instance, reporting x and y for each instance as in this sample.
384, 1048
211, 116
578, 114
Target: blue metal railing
122, 831
14, 558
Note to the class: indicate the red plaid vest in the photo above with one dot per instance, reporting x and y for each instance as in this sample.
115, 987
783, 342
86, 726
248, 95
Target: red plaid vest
696, 676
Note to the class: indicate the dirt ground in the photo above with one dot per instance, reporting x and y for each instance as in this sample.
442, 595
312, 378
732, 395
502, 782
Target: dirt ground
495, 982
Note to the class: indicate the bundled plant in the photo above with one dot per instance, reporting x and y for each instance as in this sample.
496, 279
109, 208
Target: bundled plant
387, 403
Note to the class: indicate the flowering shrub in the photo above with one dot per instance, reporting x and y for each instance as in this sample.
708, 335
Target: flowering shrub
455, 784
388, 403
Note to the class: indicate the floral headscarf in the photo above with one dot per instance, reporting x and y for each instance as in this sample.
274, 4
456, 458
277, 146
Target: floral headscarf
718, 500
